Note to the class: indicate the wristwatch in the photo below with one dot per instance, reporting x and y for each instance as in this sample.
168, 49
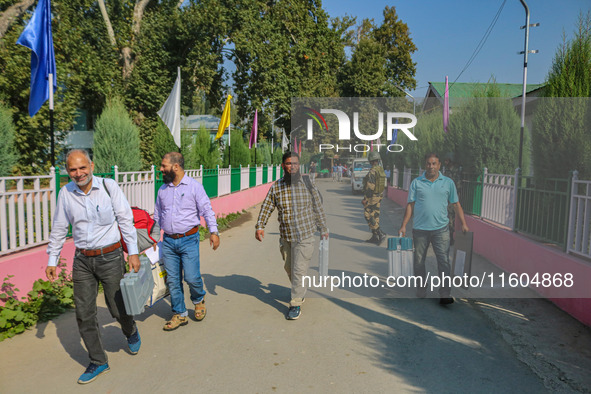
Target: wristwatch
215, 233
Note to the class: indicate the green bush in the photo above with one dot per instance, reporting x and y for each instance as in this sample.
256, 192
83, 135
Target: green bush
116, 139
46, 301
201, 151
485, 133
8, 155
263, 154
163, 143
561, 132
238, 150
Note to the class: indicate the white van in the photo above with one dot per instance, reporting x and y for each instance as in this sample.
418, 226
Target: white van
359, 170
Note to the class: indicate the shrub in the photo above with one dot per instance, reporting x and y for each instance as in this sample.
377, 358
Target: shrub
116, 139
8, 155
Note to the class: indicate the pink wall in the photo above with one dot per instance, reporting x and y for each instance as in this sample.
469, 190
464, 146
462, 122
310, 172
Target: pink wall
515, 253
28, 266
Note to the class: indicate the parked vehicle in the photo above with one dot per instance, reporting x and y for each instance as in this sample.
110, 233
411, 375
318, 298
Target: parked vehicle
359, 169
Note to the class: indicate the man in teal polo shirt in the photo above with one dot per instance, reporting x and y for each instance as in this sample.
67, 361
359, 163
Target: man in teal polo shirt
428, 198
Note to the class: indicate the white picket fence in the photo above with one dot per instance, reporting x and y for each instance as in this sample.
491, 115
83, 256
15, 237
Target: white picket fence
26, 213
499, 193
138, 187
27, 204
498, 198
579, 229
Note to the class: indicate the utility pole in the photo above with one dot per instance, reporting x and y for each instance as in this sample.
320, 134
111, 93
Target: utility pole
524, 52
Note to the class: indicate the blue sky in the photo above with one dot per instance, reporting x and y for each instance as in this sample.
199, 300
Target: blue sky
446, 33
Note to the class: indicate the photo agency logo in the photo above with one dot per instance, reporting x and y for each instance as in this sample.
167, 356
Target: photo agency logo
368, 139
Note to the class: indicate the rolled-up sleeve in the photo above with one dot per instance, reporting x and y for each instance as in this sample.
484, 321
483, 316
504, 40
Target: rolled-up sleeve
204, 208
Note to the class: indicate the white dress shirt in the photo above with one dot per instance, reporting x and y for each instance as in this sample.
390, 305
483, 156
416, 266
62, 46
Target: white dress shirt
94, 218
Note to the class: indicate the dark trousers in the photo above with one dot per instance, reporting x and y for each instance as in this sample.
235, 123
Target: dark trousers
87, 272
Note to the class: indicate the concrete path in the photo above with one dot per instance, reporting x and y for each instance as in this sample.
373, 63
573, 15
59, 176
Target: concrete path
353, 341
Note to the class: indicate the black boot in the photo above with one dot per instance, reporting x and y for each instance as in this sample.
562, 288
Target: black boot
381, 236
374, 238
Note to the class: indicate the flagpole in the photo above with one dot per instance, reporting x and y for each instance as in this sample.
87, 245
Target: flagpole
51, 119
229, 141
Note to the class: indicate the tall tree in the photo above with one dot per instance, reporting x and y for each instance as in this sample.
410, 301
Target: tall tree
283, 50
381, 63
116, 139
561, 129
8, 156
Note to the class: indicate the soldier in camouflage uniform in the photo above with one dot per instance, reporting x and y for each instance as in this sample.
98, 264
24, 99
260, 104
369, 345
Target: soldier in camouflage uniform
373, 189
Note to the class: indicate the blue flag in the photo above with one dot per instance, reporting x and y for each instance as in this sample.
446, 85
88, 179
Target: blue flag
394, 134
37, 37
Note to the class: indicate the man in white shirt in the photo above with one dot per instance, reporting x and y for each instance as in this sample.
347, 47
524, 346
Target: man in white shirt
94, 214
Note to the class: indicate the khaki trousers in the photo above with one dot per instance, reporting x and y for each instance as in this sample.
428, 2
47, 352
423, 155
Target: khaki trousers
297, 256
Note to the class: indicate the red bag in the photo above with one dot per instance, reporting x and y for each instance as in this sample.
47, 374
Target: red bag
146, 229
145, 226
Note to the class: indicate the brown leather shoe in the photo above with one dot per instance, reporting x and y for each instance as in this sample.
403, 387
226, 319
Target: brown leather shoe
200, 310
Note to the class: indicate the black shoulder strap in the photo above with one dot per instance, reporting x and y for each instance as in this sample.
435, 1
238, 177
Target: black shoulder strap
106, 189
310, 187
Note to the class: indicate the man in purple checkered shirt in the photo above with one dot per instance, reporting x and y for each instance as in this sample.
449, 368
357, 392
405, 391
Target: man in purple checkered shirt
179, 206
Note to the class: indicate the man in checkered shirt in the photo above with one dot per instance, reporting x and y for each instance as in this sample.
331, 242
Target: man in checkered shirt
300, 215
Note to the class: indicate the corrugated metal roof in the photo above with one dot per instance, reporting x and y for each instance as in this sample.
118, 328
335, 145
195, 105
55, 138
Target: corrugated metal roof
194, 122
466, 90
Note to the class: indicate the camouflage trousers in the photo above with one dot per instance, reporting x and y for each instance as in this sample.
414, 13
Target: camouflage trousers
372, 212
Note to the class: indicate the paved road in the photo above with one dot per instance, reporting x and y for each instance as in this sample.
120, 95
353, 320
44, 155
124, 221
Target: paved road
350, 342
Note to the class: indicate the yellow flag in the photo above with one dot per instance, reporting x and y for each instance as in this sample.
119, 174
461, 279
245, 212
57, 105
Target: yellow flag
225, 121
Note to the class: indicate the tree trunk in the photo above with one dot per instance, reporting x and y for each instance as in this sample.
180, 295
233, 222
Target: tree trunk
13, 12
105, 15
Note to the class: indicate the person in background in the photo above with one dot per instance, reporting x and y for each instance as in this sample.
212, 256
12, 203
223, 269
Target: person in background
428, 198
300, 214
373, 191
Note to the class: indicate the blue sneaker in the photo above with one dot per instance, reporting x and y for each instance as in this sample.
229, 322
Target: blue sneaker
134, 342
92, 372
294, 312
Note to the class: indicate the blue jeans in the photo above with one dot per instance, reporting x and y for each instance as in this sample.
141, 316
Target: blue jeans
439, 239
181, 258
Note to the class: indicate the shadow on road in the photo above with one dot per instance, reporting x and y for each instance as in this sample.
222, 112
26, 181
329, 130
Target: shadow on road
248, 285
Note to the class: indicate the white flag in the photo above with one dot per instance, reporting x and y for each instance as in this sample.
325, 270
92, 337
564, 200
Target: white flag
285, 142
170, 113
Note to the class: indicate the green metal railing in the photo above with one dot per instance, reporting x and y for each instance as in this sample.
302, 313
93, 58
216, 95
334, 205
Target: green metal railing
210, 182
252, 177
543, 207
265, 174
470, 192
235, 179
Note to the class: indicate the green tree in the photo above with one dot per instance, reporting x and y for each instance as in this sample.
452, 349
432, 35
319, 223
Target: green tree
116, 139
561, 128
381, 62
277, 156
282, 50
203, 151
163, 143
8, 157
484, 133
430, 138
239, 152
263, 154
